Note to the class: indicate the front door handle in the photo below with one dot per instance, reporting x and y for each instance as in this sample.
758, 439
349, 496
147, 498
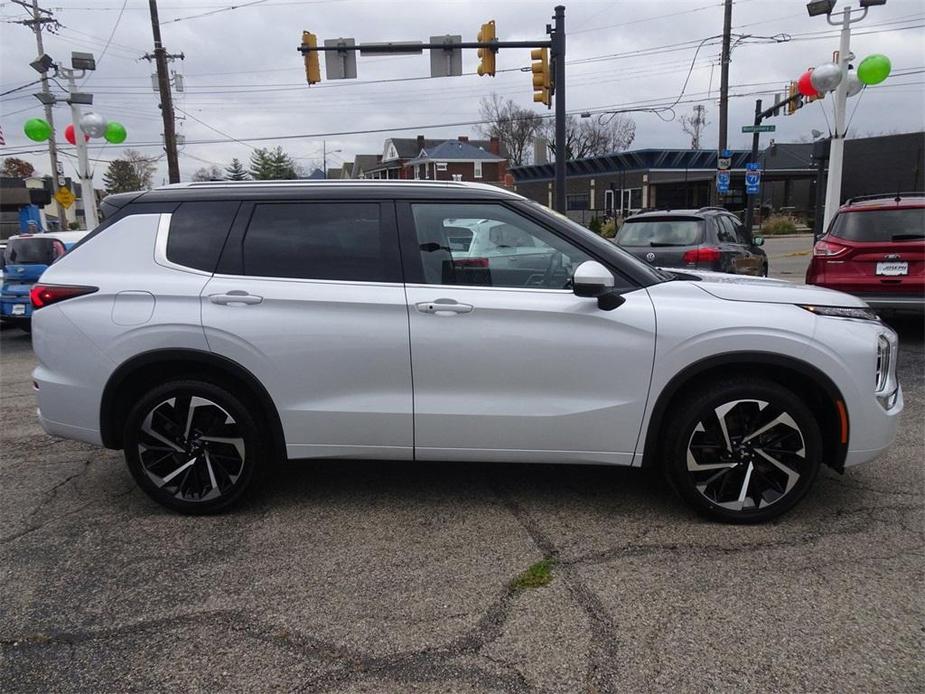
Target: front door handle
443, 306
236, 297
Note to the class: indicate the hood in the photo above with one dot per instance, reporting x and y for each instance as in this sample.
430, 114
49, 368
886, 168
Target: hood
770, 291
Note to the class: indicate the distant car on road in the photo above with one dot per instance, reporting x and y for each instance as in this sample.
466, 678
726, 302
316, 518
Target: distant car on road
875, 249
23, 260
710, 238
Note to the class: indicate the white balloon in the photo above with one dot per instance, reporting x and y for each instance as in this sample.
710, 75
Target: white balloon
93, 124
854, 84
826, 77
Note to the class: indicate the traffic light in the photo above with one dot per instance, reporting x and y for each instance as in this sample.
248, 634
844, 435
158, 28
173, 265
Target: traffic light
486, 55
542, 77
797, 103
312, 66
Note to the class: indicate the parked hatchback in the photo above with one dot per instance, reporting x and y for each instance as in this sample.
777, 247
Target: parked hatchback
706, 239
875, 249
252, 322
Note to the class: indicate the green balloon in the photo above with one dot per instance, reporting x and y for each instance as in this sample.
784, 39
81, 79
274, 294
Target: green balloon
115, 133
37, 129
874, 69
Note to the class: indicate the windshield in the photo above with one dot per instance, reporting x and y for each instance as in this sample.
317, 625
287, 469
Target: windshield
604, 247
667, 231
31, 251
880, 225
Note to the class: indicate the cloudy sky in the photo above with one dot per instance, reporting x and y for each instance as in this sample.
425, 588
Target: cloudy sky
243, 77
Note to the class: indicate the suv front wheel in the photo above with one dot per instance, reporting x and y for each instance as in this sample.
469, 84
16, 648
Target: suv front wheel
192, 446
744, 451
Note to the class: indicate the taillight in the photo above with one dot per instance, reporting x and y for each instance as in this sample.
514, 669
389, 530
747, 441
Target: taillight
46, 294
701, 255
826, 249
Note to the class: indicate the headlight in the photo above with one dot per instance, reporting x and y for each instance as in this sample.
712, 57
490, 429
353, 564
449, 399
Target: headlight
887, 387
842, 312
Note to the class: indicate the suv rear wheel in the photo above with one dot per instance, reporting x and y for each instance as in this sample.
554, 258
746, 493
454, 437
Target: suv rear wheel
744, 451
192, 446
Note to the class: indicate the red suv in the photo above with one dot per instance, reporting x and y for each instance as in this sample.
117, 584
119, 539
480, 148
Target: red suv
875, 249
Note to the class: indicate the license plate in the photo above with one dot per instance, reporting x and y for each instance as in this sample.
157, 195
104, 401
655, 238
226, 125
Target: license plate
892, 269
19, 309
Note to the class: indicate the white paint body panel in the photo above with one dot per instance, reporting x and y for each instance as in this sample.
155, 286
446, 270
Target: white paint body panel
529, 375
334, 357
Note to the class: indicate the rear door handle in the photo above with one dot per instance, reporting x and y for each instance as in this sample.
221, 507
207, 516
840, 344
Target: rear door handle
236, 297
443, 306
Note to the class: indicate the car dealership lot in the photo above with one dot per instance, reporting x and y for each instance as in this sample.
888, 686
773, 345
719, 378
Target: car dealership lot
343, 576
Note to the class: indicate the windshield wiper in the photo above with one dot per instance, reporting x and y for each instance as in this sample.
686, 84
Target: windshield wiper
907, 237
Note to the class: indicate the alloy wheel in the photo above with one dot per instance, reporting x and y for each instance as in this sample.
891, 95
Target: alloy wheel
746, 455
191, 448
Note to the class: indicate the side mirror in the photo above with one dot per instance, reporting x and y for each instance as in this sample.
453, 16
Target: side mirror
594, 281
758, 241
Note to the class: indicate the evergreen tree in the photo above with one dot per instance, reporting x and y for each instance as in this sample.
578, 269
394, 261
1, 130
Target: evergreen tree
236, 172
121, 177
268, 165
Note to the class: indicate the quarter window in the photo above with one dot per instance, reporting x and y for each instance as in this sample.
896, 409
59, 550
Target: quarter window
489, 245
197, 233
322, 241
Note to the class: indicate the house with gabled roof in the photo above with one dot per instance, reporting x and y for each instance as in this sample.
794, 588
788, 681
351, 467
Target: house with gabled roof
398, 151
459, 160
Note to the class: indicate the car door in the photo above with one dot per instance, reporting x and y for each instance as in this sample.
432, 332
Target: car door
309, 298
736, 255
513, 366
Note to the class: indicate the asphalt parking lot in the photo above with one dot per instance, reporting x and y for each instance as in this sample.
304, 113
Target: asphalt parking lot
366, 577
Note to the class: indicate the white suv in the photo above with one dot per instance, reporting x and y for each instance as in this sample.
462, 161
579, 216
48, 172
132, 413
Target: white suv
209, 329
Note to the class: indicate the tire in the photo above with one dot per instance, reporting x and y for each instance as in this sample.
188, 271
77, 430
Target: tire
172, 446
760, 467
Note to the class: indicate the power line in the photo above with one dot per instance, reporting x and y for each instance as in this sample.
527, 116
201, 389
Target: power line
108, 41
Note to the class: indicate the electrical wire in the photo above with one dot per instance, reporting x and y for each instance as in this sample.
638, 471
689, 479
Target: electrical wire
108, 42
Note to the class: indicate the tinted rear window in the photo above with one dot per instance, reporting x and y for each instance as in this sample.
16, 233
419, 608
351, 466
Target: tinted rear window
35, 251
880, 225
324, 241
670, 231
197, 233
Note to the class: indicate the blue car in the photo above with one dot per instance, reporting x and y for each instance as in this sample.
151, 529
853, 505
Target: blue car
23, 261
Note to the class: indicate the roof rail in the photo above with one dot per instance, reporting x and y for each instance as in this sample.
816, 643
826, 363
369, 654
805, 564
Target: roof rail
884, 196
717, 208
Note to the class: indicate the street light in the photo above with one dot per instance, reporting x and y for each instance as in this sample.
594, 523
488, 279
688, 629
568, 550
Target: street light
818, 7
872, 3
42, 64
46, 98
83, 61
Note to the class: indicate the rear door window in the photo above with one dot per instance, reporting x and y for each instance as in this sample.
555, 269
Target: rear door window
668, 231
197, 233
725, 232
881, 225
321, 241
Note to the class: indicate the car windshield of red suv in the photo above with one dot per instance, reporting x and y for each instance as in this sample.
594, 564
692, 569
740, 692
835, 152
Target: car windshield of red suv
881, 225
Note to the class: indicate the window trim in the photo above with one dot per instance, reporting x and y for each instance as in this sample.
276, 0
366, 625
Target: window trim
160, 248
414, 269
477, 169
231, 263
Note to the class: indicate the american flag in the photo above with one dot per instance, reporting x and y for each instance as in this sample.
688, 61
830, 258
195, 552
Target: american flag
2, 141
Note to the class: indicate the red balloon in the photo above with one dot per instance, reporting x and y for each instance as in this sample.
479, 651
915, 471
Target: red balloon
805, 85
69, 135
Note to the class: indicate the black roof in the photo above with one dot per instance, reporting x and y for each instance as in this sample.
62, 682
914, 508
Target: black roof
325, 189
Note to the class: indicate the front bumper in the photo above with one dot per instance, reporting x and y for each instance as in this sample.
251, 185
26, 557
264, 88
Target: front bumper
887, 422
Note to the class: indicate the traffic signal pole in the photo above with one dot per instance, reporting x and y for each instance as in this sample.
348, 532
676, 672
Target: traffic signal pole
557, 53
760, 116
556, 46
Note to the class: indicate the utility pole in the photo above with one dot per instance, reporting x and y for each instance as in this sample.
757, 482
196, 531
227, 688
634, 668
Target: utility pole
163, 83
724, 80
557, 52
56, 171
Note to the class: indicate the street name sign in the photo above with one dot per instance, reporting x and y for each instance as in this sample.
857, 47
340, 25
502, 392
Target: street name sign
759, 128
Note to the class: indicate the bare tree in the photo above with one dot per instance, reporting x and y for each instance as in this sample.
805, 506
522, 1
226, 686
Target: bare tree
593, 137
694, 124
513, 125
212, 173
143, 166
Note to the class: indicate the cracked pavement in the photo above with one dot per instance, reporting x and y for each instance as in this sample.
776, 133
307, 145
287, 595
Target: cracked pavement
384, 577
